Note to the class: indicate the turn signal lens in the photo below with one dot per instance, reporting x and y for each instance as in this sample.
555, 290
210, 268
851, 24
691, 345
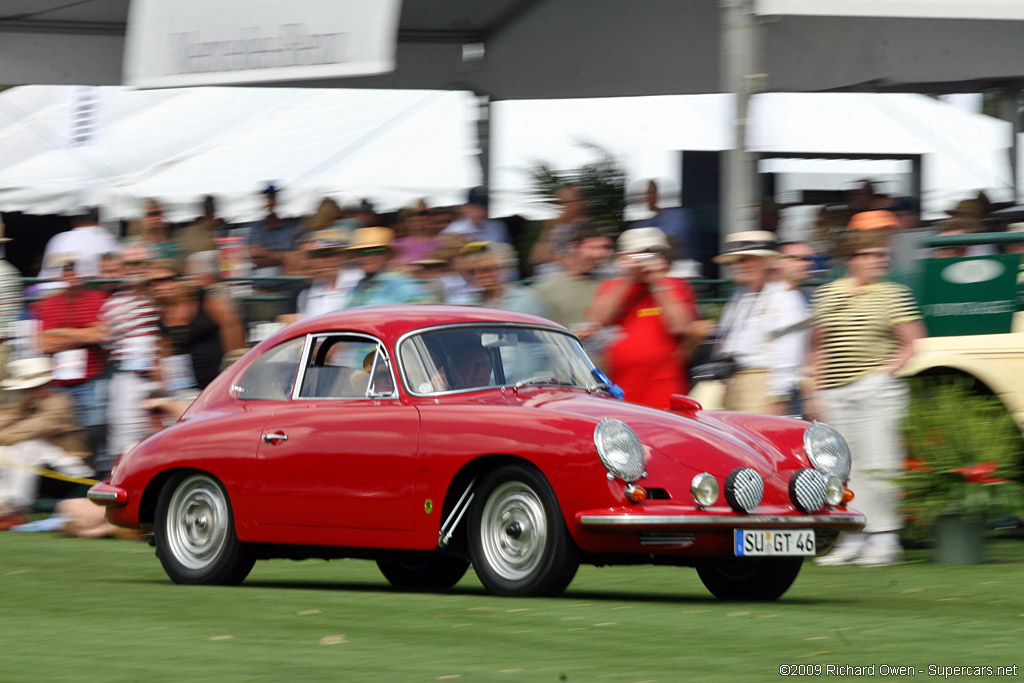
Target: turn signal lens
847, 496
637, 494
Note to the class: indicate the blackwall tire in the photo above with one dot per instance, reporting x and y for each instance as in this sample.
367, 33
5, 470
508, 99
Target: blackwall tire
755, 579
194, 533
518, 540
432, 573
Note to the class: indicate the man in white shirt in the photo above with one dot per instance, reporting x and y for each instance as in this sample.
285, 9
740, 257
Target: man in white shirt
761, 328
87, 240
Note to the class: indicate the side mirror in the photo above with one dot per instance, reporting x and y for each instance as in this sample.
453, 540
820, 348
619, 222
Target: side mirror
679, 403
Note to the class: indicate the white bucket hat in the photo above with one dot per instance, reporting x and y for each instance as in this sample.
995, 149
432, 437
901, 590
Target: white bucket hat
26, 373
642, 239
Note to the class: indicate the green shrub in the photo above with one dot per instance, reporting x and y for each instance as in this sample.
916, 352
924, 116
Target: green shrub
964, 456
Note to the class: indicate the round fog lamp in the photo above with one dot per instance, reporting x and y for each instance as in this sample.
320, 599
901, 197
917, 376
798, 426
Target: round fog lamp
704, 488
833, 490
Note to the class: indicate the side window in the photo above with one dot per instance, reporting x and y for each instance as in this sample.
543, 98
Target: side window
272, 376
346, 366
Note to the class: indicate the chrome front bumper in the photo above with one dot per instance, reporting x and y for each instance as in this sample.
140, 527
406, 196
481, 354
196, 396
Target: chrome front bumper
838, 522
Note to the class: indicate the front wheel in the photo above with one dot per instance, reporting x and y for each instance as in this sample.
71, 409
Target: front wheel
749, 578
195, 533
518, 541
436, 573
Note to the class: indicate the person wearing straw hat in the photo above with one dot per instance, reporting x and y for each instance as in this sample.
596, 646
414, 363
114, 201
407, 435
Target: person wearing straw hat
37, 430
12, 300
760, 328
371, 248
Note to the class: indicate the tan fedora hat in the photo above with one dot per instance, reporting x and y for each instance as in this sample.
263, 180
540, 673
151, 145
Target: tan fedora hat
371, 238
750, 243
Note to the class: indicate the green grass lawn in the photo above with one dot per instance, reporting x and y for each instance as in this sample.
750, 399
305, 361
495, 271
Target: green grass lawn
103, 610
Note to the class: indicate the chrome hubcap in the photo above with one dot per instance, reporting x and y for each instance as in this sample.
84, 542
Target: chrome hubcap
513, 530
197, 521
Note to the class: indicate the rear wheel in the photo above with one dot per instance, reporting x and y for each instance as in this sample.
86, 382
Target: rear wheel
194, 533
517, 537
749, 578
431, 572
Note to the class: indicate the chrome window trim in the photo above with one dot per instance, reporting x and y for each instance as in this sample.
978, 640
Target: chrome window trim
233, 389
448, 326
381, 347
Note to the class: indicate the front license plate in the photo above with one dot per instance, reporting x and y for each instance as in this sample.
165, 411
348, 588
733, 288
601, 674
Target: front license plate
759, 542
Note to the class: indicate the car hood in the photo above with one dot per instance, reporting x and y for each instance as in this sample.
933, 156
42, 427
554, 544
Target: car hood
712, 441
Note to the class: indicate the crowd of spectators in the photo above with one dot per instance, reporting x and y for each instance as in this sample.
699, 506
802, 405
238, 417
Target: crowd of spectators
119, 323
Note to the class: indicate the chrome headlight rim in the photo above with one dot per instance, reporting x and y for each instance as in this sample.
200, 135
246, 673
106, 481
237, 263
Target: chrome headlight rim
620, 449
704, 489
838, 463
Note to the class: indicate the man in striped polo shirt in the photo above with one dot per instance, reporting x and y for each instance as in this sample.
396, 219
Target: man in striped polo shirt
130, 320
863, 331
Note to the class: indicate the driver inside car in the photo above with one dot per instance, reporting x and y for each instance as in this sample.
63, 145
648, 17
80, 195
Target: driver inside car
472, 368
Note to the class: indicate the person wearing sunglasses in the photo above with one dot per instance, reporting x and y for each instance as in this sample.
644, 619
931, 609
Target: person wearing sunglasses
381, 284
130, 320
863, 331
795, 265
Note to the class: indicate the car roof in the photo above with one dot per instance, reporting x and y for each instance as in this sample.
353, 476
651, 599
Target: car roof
391, 322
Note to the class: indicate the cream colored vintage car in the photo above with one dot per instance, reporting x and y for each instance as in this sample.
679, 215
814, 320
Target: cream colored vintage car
996, 361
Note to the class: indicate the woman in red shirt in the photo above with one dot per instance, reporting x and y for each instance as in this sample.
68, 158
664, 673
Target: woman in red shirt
653, 312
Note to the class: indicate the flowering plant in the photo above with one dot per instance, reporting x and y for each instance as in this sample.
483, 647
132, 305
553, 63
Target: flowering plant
964, 455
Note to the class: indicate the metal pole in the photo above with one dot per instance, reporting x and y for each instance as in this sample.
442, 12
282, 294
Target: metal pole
483, 137
1008, 111
740, 54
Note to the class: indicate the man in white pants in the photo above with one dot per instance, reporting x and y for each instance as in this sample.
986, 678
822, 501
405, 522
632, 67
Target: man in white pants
131, 322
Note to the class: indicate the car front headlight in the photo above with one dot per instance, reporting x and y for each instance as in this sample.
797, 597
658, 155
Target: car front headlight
828, 450
620, 449
704, 488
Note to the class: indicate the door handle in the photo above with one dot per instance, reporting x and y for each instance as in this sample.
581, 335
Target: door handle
274, 438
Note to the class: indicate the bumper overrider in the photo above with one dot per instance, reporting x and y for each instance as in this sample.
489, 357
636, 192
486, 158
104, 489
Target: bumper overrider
108, 495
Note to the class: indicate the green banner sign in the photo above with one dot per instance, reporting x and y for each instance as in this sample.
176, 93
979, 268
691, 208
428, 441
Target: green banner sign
973, 295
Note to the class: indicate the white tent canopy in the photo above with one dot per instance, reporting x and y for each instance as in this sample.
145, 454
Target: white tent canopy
396, 146
178, 145
963, 152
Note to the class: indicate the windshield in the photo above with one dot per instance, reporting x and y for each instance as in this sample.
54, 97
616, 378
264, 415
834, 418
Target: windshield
466, 358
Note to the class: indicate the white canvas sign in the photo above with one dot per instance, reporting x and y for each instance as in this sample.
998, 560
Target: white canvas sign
224, 42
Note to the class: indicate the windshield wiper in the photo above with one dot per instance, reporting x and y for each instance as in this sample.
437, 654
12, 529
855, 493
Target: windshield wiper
534, 381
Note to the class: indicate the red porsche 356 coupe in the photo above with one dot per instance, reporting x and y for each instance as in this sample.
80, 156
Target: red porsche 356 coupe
429, 438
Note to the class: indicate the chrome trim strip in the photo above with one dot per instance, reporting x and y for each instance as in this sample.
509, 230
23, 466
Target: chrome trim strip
706, 520
101, 495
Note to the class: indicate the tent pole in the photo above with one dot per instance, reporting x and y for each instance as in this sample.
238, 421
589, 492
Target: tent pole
483, 137
1009, 105
740, 59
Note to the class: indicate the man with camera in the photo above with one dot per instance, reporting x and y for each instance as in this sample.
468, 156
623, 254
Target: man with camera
653, 313
762, 337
